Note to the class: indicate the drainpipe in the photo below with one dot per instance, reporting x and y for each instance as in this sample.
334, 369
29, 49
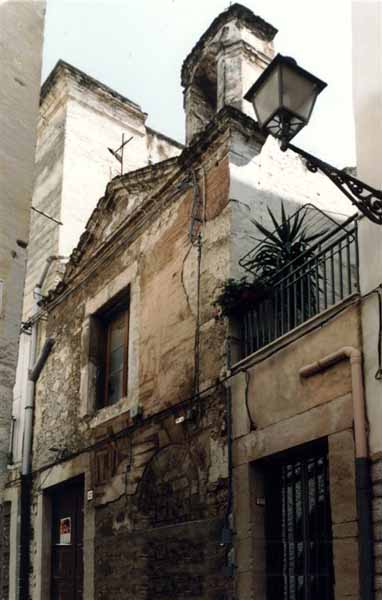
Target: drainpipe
26, 477
362, 472
28, 421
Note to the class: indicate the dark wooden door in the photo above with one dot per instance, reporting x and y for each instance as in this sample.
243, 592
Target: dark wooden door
67, 541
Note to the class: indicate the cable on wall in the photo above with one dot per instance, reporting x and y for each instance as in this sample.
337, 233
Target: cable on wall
247, 381
195, 237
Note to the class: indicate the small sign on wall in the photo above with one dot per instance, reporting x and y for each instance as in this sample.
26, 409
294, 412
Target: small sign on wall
65, 531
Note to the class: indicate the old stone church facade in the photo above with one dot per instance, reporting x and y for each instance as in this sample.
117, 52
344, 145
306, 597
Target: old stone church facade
171, 458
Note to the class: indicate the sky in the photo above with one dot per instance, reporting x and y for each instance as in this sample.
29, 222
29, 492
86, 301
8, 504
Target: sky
138, 47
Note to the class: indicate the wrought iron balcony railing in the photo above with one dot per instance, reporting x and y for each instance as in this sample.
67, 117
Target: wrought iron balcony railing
304, 288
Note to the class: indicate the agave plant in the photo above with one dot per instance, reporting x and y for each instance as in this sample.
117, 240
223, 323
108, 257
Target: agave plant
283, 258
284, 249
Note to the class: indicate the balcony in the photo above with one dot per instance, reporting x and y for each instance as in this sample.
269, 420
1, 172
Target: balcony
322, 276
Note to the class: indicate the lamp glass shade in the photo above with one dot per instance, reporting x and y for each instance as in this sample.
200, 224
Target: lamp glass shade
284, 96
298, 94
266, 100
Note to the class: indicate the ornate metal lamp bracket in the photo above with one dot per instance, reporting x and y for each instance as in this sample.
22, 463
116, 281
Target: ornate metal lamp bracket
367, 199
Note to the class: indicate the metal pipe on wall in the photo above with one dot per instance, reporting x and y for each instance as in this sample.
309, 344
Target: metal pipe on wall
34, 370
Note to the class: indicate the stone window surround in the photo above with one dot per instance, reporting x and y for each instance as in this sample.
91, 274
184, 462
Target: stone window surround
124, 280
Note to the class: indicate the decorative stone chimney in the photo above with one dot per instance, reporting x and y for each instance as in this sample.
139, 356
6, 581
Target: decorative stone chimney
223, 65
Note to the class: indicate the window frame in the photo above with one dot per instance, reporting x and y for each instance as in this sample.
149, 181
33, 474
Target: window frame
108, 327
106, 316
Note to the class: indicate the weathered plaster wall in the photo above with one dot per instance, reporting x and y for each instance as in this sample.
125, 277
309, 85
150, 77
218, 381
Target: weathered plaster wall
21, 39
44, 233
79, 120
287, 404
287, 411
94, 124
243, 55
165, 475
48, 182
262, 177
166, 277
78, 123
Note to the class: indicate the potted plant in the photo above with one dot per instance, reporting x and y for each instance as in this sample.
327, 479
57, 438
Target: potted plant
238, 296
282, 255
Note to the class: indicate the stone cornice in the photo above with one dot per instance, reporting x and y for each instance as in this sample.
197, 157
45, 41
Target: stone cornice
63, 69
263, 30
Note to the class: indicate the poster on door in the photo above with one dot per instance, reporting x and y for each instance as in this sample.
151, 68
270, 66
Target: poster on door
65, 531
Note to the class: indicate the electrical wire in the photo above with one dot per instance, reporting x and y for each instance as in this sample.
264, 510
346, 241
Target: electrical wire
178, 407
195, 236
182, 276
197, 321
40, 212
154, 418
247, 381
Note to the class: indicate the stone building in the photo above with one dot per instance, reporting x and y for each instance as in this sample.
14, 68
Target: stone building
21, 38
178, 454
79, 120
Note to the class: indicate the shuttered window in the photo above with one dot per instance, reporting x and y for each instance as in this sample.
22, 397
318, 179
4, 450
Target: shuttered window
112, 332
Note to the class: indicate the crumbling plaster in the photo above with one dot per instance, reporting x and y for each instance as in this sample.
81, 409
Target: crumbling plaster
161, 262
160, 254
80, 118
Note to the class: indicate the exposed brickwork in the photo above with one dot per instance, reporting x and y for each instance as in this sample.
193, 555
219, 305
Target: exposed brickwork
161, 538
180, 562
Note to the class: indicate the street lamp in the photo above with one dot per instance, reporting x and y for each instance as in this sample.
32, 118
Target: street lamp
283, 99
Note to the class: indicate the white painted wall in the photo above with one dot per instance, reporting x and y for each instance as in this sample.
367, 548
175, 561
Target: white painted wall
260, 180
21, 37
367, 97
90, 130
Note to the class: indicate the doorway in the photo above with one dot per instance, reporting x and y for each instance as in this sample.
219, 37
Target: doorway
298, 525
67, 501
